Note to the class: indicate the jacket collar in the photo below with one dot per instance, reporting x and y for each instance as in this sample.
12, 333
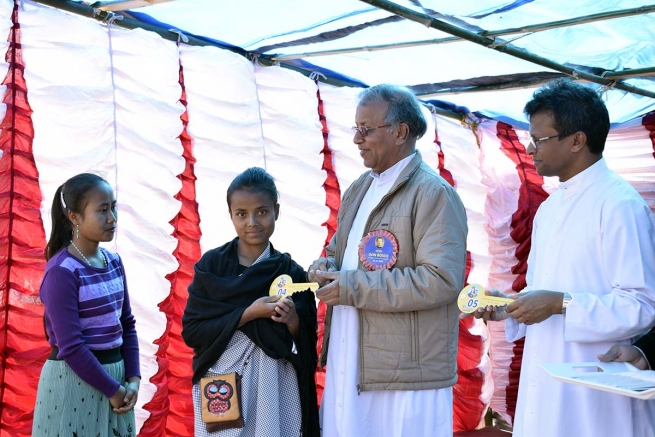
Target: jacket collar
404, 175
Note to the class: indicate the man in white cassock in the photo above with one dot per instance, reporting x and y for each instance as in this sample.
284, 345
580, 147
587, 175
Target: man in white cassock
391, 278
591, 273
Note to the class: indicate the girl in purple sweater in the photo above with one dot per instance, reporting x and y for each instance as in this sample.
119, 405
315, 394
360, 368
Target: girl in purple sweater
90, 383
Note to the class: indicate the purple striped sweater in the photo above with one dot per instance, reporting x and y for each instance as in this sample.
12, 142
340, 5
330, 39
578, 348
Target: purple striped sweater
88, 308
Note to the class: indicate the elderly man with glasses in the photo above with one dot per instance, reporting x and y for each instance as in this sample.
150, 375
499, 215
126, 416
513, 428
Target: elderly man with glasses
390, 339
591, 273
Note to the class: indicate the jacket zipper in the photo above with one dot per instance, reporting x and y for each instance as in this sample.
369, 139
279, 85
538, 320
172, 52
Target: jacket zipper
368, 224
360, 353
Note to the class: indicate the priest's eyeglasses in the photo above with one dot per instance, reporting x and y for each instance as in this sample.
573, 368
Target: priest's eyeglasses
535, 141
363, 130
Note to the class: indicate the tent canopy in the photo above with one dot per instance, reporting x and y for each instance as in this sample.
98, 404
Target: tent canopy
362, 44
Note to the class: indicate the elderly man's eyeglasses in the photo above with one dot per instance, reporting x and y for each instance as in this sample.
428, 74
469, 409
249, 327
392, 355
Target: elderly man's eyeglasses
535, 141
363, 130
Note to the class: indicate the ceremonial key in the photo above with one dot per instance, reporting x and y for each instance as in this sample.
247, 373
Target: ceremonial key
283, 286
472, 297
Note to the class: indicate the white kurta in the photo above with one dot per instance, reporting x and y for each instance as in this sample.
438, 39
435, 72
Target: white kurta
594, 238
390, 413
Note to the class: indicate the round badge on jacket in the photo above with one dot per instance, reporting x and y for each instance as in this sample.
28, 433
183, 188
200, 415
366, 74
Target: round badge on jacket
378, 250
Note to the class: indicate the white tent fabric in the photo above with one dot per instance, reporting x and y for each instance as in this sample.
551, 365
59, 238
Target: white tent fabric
108, 100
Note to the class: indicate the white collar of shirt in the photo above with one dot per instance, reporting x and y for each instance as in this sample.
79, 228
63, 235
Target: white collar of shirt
392, 172
584, 179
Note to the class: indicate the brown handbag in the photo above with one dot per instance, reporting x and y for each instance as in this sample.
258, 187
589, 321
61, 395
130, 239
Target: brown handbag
220, 397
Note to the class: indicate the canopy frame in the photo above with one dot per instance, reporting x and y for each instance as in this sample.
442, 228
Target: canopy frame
490, 43
488, 33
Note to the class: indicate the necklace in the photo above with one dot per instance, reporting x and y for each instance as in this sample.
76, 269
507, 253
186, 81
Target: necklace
85, 259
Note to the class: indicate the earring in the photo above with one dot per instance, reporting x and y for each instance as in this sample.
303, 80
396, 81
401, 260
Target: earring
77, 232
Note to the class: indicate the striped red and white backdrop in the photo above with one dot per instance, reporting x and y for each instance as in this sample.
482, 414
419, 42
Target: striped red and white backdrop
169, 127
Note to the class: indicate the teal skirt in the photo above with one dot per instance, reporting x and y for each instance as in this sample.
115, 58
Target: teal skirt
68, 406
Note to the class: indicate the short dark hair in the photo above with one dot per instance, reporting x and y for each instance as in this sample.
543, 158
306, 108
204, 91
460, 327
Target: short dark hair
404, 107
72, 195
254, 179
575, 108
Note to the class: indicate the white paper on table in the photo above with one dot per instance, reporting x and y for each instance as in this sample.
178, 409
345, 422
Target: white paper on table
620, 378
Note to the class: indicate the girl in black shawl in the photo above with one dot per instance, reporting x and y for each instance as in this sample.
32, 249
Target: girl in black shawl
233, 325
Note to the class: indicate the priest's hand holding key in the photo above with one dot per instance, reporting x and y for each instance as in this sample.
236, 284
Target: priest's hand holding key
528, 307
328, 278
483, 304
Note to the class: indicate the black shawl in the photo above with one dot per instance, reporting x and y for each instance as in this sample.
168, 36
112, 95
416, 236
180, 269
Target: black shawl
218, 296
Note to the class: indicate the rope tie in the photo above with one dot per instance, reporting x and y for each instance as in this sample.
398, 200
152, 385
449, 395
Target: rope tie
607, 87
254, 58
111, 18
314, 75
471, 122
500, 43
180, 36
604, 88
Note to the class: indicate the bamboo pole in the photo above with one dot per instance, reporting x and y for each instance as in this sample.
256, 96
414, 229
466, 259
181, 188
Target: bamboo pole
488, 33
634, 72
122, 5
428, 21
491, 87
614, 75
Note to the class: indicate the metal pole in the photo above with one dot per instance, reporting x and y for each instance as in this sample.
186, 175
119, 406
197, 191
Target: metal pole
428, 21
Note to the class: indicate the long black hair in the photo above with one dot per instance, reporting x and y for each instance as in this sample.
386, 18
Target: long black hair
254, 179
70, 196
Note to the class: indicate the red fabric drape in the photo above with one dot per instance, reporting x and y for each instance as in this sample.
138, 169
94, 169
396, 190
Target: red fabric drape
23, 347
468, 409
531, 194
649, 123
171, 408
332, 201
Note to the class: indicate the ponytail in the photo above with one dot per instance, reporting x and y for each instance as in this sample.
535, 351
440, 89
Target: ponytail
62, 228
70, 196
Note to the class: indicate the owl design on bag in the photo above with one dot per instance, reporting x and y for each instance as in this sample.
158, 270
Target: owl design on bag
218, 393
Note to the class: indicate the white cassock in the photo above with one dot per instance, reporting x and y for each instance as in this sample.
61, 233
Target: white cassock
381, 413
594, 238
